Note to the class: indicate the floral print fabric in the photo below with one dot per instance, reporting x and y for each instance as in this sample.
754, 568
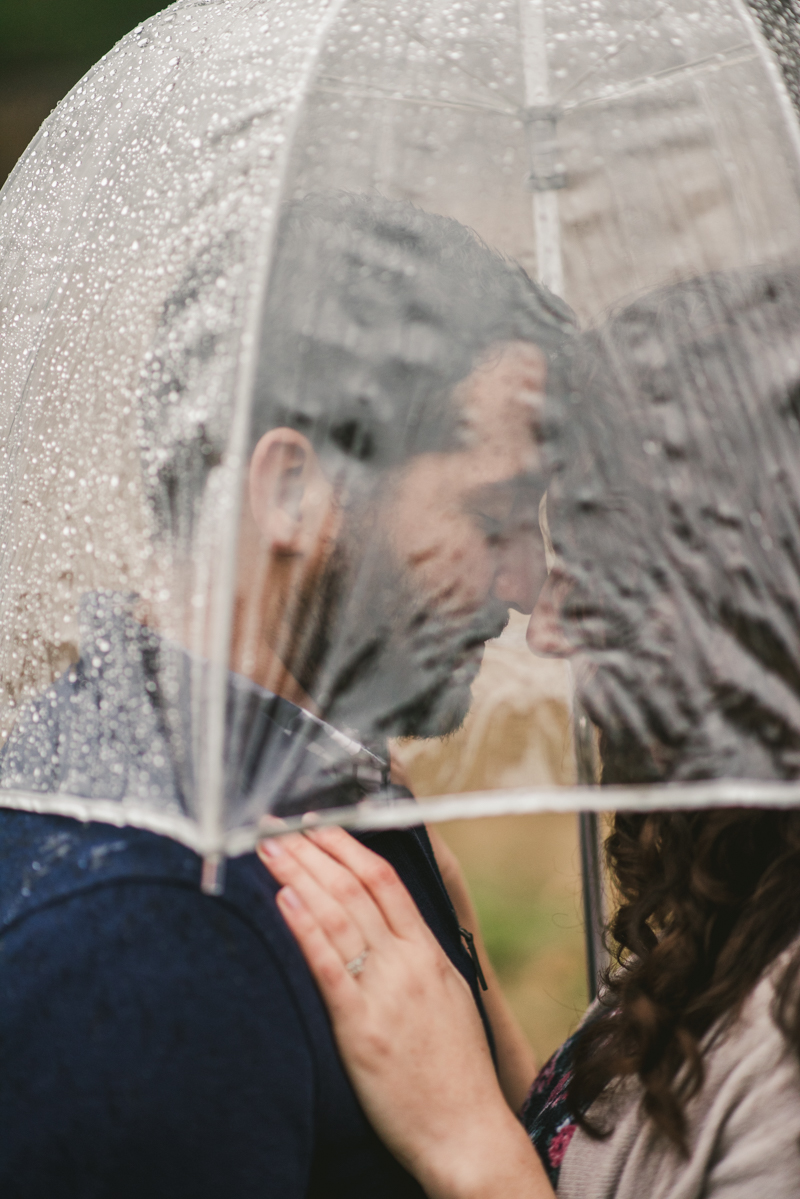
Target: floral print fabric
548, 1120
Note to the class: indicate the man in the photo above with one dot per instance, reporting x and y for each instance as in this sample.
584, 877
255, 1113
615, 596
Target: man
155, 1040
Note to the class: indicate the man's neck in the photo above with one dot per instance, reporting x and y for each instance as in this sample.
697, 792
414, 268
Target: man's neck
264, 667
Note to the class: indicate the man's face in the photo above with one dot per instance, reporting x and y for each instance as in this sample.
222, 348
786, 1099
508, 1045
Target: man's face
435, 565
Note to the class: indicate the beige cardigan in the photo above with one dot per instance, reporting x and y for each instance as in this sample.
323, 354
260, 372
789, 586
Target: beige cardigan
744, 1127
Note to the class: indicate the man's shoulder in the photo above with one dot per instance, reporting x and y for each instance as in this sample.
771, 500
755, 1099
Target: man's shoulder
184, 1011
93, 903
95, 873
47, 858
54, 861
51, 860
144, 1025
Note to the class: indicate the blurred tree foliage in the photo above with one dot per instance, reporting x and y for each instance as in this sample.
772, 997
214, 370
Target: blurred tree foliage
45, 47
80, 30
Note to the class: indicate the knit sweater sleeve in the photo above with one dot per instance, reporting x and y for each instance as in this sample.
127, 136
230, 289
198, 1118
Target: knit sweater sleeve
743, 1127
756, 1119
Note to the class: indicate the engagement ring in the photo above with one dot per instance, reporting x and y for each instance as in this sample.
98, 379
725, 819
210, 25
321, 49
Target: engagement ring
356, 965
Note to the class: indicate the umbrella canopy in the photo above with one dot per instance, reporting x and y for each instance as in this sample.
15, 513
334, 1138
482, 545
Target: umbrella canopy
282, 395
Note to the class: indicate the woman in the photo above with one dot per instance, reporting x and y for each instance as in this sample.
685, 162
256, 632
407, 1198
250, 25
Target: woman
675, 508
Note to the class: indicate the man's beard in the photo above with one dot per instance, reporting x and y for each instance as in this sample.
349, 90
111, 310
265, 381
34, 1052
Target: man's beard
377, 657
316, 619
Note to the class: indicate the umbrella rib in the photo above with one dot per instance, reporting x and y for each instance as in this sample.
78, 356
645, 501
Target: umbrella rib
626, 41
723, 58
374, 92
417, 37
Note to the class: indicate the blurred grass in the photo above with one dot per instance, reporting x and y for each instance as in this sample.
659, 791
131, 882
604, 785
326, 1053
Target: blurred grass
523, 871
524, 874
513, 932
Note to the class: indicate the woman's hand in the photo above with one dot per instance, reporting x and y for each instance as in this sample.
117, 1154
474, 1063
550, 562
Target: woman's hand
405, 1021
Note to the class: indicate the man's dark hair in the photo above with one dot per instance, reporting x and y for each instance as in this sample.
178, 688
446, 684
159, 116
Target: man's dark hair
374, 312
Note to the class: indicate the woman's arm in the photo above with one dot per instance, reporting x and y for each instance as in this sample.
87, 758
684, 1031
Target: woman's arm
516, 1065
406, 1024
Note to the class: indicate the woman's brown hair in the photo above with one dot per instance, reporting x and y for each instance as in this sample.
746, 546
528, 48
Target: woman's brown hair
708, 900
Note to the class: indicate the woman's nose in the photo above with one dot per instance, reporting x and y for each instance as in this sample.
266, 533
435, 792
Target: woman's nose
545, 635
523, 574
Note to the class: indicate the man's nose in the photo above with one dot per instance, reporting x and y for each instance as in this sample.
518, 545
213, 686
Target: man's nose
545, 636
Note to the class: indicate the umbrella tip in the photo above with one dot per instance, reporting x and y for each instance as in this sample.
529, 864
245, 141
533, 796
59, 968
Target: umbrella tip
212, 879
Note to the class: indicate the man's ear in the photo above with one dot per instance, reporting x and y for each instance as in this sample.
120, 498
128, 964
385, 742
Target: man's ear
289, 495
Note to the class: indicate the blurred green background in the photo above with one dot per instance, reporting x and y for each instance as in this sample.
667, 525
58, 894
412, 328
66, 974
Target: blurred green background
45, 47
524, 874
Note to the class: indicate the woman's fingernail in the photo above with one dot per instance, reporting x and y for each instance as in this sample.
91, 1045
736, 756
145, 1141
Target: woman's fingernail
272, 848
290, 898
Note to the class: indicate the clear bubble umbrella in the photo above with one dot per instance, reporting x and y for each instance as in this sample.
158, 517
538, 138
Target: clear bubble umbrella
292, 434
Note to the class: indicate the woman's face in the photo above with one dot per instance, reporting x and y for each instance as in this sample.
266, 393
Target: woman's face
569, 622
545, 635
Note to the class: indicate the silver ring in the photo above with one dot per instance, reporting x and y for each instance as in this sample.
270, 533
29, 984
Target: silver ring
356, 964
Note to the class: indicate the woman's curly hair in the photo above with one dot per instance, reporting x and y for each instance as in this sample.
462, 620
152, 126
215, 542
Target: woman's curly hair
674, 508
708, 900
